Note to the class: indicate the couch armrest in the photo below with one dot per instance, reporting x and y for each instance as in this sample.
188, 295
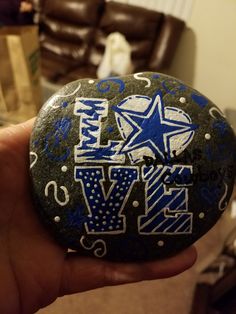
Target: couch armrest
166, 43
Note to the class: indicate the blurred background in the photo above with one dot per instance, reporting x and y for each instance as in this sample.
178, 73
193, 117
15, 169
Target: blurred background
45, 44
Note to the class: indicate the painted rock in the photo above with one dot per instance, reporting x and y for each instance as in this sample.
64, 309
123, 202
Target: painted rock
131, 168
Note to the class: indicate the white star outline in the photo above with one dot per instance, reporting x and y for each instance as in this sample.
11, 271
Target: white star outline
176, 127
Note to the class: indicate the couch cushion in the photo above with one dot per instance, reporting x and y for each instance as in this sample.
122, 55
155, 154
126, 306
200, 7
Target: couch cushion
138, 25
67, 32
74, 11
65, 49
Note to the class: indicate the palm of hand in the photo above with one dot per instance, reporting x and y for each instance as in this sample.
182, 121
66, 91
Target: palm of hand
34, 269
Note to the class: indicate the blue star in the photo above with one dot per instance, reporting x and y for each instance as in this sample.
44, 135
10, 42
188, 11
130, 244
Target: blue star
151, 128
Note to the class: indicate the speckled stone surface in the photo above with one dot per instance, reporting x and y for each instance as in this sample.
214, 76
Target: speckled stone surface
131, 168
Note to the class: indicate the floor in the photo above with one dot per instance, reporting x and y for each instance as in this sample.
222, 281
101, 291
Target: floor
168, 296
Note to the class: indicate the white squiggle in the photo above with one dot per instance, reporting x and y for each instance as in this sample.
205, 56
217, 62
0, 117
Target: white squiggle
137, 77
63, 96
222, 203
98, 252
217, 110
35, 160
63, 188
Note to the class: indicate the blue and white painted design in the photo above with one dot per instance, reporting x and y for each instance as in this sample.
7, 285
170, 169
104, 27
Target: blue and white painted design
105, 211
147, 128
166, 208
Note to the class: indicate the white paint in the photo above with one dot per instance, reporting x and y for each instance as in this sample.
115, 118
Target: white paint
138, 76
222, 204
91, 81
182, 100
213, 110
98, 252
135, 203
64, 168
57, 219
35, 160
160, 243
201, 215
207, 136
55, 188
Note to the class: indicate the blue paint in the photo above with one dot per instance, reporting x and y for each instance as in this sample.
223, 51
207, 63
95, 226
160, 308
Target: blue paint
89, 148
55, 148
106, 209
36, 143
77, 218
64, 104
158, 200
175, 86
210, 194
221, 127
200, 100
110, 129
107, 85
156, 76
151, 128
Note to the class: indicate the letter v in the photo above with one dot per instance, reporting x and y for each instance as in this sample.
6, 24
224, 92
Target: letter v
105, 210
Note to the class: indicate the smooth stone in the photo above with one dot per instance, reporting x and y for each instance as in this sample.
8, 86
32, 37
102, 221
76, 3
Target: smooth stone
131, 168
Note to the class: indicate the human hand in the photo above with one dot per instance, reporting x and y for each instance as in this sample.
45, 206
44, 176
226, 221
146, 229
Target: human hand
34, 269
26, 7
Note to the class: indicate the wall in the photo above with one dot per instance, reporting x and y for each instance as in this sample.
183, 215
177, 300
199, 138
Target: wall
179, 8
206, 56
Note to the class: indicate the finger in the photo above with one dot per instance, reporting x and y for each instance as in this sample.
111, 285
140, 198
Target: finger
81, 274
16, 137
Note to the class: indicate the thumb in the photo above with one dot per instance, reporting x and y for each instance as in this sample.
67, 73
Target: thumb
82, 273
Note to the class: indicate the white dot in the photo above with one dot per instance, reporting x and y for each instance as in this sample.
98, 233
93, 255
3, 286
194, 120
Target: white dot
80, 173
95, 185
107, 212
111, 221
97, 172
64, 169
110, 227
182, 100
117, 204
96, 217
160, 243
88, 185
126, 172
100, 211
104, 222
135, 203
113, 217
103, 204
96, 201
201, 215
94, 207
110, 204
104, 217
207, 136
57, 219
97, 225
91, 197
91, 81
93, 191
121, 198
117, 194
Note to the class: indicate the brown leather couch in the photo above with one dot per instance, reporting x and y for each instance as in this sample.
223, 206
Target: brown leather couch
73, 36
